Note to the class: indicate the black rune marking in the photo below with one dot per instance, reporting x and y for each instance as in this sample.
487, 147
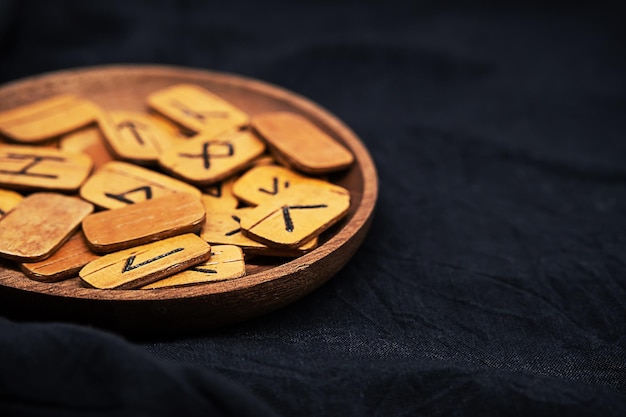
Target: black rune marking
134, 129
206, 155
201, 117
274, 190
35, 159
122, 196
235, 231
287, 215
128, 266
204, 270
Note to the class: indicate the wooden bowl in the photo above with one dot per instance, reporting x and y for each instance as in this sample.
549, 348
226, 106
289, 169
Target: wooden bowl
269, 283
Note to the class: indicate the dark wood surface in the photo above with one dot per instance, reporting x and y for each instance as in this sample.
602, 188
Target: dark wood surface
269, 283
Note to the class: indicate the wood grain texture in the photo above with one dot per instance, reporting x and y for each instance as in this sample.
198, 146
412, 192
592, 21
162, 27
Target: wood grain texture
226, 262
206, 160
302, 144
47, 118
265, 287
39, 225
118, 184
136, 136
197, 109
147, 221
144, 264
64, 263
42, 168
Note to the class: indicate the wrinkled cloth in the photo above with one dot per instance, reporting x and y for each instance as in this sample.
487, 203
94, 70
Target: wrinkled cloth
493, 278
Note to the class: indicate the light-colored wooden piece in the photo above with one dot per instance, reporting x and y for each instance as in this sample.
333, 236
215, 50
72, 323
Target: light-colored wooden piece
8, 200
143, 222
298, 215
118, 184
64, 263
202, 160
35, 168
39, 225
219, 197
268, 285
47, 118
197, 109
144, 264
301, 143
88, 140
223, 228
135, 136
263, 183
226, 262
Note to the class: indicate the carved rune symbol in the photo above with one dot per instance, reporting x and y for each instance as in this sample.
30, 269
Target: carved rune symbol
128, 266
122, 196
134, 129
204, 270
274, 190
35, 159
203, 116
228, 150
234, 231
287, 216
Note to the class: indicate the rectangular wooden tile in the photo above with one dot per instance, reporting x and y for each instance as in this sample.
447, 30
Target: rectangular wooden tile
147, 221
141, 265
118, 184
47, 118
37, 168
301, 143
64, 263
226, 262
299, 214
197, 109
203, 160
39, 225
137, 137
263, 183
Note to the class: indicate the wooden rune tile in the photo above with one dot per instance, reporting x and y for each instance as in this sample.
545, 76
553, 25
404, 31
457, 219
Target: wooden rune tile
223, 228
302, 144
205, 161
118, 184
226, 262
265, 182
141, 265
47, 118
39, 225
143, 222
8, 200
38, 168
64, 263
137, 137
88, 140
197, 109
301, 213
219, 197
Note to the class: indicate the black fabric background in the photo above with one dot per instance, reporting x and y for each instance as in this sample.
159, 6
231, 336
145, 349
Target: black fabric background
493, 280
